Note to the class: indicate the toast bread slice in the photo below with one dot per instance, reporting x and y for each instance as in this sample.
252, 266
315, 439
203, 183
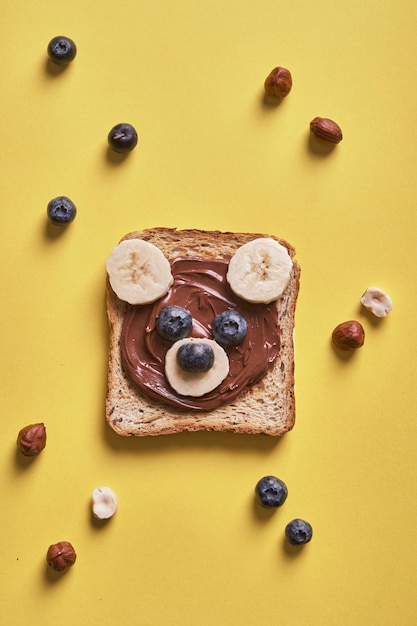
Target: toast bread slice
267, 407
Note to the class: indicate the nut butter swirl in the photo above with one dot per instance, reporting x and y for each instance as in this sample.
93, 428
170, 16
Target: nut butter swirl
200, 286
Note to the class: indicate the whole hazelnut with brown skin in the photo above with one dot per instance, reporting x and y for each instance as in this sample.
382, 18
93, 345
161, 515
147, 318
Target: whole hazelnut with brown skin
348, 335
31, 439
61, 556
278, 83
326, 130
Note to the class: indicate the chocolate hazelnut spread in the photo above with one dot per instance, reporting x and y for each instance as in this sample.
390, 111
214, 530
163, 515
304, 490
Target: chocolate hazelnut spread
200, 286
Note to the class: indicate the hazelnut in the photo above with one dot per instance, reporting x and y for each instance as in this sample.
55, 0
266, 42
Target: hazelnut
326, 130
61, 556
278, 83
348, 335
31, 439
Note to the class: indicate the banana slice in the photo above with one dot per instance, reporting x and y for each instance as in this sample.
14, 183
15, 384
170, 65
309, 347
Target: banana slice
260, 270
138, 271
377, 301
196, 384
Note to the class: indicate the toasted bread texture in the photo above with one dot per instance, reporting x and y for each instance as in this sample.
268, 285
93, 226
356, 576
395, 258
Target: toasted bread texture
267, 407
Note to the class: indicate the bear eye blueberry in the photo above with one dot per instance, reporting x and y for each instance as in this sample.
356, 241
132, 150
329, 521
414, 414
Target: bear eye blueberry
271, 491
61, 210
62, 50
195, 357
174, 322
229, 328
298, 532
122, 138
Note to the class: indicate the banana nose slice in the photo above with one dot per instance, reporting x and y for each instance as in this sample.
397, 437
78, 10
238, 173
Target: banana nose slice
196, 384
138, 271
260, 270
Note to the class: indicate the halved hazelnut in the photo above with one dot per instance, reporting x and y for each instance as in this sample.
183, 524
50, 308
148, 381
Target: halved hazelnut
104, 503
377, 301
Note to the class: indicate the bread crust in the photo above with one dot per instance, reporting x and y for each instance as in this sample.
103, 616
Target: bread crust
267, 407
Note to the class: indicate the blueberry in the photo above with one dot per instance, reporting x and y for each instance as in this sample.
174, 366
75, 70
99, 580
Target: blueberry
122, 138
229, 328
298, 532
195, 357
174, 322
62, 50
271, 491
61, 210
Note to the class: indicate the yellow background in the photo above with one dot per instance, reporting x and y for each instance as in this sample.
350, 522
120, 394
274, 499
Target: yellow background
188, 545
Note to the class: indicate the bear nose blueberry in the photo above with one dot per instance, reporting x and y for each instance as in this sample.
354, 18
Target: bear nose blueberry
195, 357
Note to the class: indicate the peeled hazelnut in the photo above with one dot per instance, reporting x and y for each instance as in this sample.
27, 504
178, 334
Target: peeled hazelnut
61, 556
326, 130
104, 503
348, 335
31, 439
278, 83
377, 301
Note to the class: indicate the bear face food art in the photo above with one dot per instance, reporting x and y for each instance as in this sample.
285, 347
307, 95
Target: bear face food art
247, 285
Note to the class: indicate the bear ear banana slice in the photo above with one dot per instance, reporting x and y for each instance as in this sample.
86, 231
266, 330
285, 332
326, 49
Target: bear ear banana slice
260, 270
196, 384
138, 272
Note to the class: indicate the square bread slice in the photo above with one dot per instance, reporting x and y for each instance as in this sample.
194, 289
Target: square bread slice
267, 407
